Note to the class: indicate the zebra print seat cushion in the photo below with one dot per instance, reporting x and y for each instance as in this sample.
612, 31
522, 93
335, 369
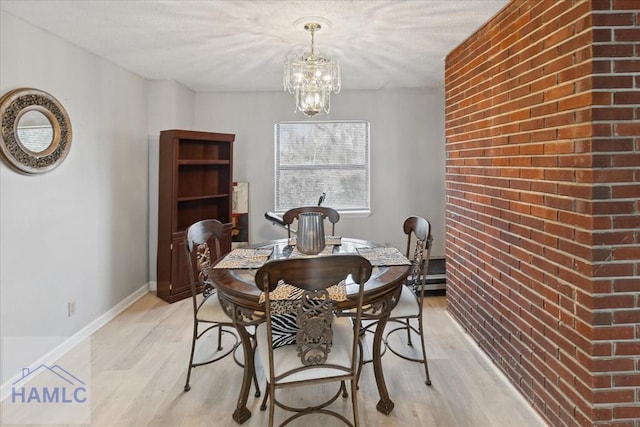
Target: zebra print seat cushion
283, 329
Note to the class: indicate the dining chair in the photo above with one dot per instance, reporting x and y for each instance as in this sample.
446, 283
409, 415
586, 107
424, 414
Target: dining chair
322, 347
202, 250
406, 316
327, 213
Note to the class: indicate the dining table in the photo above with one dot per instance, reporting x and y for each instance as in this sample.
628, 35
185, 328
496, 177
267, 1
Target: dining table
241, 300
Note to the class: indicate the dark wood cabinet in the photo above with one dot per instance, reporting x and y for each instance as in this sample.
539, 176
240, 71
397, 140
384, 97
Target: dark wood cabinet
195, 182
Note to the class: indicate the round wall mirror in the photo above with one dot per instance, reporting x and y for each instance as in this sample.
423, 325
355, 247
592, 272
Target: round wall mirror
36, 132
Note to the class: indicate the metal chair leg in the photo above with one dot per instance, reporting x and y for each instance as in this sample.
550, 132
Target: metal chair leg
360, 365
354, 402
219, 338
255, 375
424, 352
263, 406
408, 326
187, 387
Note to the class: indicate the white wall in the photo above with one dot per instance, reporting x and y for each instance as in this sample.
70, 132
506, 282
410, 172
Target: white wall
407, 155
78, 233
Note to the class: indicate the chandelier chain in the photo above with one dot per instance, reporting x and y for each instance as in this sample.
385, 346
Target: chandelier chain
313, 30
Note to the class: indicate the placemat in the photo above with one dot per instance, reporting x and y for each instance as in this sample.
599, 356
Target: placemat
328, 250
245, 258
383, 256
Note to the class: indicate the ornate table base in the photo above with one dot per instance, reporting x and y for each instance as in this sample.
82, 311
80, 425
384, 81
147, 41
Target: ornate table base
383, 310
243, 317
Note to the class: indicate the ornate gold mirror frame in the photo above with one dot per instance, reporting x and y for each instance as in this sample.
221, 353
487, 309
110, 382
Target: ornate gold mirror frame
36, 131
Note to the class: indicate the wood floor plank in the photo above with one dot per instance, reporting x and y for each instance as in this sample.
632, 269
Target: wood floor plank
139, 362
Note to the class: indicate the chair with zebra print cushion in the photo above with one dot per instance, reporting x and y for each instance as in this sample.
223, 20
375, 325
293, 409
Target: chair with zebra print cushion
326, 347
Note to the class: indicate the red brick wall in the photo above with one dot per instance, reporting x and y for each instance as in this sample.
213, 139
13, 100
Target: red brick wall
543, 203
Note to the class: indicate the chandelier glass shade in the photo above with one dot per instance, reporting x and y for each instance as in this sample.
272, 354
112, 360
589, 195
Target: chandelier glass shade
311, 78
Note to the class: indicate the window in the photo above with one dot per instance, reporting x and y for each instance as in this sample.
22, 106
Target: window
322, 157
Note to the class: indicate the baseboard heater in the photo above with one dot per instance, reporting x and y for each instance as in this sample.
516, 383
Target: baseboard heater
436, 274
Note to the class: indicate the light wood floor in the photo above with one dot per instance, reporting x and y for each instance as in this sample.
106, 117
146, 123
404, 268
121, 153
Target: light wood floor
139, 360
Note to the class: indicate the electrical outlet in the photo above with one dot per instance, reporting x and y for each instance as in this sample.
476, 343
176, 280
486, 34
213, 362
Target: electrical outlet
71, 308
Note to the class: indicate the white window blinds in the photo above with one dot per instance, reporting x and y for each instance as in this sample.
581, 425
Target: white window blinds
322, 157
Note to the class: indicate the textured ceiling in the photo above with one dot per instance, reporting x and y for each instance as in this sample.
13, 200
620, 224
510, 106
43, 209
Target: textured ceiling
240, 45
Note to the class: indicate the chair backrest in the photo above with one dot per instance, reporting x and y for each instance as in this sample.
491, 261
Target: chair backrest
313, 307
327, 213
202, 250
418, 231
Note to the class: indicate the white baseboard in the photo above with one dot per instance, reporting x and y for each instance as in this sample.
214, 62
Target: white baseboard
51, 357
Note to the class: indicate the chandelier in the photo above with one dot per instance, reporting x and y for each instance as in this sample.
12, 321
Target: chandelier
311, 78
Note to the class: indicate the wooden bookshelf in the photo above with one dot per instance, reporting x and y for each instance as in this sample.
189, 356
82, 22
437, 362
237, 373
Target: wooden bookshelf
195, 183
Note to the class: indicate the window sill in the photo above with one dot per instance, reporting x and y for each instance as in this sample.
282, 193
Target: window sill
355, 214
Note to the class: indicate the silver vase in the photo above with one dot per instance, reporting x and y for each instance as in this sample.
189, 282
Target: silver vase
310, 240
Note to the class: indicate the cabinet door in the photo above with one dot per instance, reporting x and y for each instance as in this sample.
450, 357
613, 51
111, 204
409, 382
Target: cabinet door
180, 286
